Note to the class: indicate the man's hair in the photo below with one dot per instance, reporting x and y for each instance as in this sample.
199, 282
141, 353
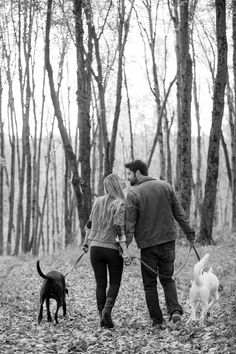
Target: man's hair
137, 165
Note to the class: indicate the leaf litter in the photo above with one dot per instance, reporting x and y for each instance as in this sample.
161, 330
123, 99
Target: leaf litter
79, 331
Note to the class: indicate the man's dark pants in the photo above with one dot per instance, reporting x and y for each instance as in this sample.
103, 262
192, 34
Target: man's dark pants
161, 259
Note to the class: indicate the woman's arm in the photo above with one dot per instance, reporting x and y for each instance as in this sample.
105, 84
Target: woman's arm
120, 232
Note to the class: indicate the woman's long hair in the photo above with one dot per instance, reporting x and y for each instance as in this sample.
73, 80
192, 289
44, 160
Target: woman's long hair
113, 190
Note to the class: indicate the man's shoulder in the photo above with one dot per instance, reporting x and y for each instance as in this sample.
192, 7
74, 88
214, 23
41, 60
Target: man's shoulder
154, 184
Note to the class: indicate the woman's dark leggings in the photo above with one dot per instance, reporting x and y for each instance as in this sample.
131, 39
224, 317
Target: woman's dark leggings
102, 259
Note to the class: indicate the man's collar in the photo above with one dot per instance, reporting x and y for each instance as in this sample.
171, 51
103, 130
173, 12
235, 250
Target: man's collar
144, 179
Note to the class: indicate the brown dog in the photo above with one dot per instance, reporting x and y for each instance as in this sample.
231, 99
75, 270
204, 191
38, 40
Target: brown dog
54, 287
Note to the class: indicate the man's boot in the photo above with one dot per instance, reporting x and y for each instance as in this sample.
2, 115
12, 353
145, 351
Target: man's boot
106, 312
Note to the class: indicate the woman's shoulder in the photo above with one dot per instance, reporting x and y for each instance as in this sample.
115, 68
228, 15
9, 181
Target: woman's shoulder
100, 197
98, 200
118, 203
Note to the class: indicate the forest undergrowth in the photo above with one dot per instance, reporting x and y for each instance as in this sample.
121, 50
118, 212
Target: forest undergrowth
79, 331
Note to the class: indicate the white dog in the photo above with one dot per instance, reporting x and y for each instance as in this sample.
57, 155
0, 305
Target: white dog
204, 288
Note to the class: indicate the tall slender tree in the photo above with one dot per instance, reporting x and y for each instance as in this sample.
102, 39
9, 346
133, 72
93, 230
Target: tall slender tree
79, 185
1, 169
84, 62
180, 17
233, 124
208, 205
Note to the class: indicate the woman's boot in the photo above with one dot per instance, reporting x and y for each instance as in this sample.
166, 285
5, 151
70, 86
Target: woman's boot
102, 323
106, 312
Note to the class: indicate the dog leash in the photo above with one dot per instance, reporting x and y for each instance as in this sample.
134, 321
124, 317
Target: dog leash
76, 262
178, 271
196, 252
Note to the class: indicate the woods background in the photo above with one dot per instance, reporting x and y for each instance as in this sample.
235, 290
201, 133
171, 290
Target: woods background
86, 86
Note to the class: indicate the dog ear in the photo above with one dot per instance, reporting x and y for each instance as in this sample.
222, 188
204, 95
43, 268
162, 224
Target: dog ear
67, 291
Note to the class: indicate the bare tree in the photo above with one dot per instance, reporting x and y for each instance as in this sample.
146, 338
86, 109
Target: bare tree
84, 61
69, 153
12, 136
208, 205
180, 17
198, 182
129, 117
153, 80
23, 39
123, 22
233, 124
1, 169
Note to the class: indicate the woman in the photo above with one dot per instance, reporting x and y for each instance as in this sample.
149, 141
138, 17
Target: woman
104, 234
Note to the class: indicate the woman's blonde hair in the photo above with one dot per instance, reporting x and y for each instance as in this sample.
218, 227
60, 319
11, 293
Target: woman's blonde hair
113, 187
113, 190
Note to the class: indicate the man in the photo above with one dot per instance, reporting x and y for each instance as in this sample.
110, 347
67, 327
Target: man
151, 211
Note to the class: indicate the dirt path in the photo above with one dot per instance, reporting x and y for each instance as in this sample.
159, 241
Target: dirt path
79, 331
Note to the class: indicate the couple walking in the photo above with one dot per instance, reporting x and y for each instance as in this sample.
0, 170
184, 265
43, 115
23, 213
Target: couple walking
148, 214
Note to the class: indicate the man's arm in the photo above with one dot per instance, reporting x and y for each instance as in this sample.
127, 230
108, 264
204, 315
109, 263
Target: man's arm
181, 218
131, 211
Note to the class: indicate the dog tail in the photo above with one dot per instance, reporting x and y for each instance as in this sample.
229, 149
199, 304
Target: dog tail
40, 272
198, 269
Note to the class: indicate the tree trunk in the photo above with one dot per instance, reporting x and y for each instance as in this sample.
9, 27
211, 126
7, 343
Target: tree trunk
208, 206
130, 119
54, 170
227, 161
83, 101
12, 140
27, 46
67, 221
168, 149
123, 31
184, 119
233, 126
26, 147
36, 171
183, 178
69, 154
198, 183
40, 235
1, 170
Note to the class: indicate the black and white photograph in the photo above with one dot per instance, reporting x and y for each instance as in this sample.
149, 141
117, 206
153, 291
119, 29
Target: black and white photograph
118, 176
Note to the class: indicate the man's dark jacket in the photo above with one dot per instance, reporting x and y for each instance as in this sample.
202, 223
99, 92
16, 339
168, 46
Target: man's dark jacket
152, 210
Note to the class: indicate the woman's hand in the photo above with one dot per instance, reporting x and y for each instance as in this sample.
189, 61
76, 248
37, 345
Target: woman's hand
127, 258
85, 247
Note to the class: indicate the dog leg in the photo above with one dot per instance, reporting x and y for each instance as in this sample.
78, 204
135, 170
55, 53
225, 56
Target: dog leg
213, 301
40, 316
195, 311
194, 308
55, 316
203, 314
48, 310
64, 309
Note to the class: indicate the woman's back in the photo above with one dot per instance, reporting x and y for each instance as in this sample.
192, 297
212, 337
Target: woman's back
106, 213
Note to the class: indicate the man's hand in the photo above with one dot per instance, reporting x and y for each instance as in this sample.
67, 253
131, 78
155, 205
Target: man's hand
85, 248
191, 237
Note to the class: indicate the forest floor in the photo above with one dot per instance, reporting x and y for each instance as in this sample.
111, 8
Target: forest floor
79, 331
